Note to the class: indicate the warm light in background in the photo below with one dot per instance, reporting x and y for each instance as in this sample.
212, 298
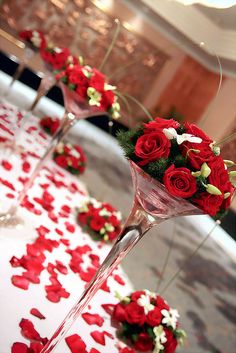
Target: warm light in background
219, 4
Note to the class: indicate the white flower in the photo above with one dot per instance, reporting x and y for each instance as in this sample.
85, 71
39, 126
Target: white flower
104, 212
170, 317
108, 87
118, 215
109, 227
171, 133
159, 339
151, 294
144, 301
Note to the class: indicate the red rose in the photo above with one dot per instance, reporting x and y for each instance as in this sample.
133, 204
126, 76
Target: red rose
61, 160
97, 80
219, 176
97, 223
136, 295
196, 159
210, 204
161, 304
126, 350
135, 314
82, 217
107, 100
144, 342
159, 124
195, 131
179, 182
114, 234
151, 147
154, 317
171, 343
119, 313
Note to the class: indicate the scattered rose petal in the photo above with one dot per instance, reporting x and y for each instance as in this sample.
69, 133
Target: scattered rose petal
93, 319
10, 196
6, 165
76, 344
119, 280
108, 308
99, 337
19, 347
37, 313
26, 167
70, 227
20, 282
58, 231
28, 330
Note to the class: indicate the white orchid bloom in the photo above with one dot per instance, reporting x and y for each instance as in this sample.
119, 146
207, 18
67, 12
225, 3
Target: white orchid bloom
170, 317
151, 294
144, 301
159, 339
171, 134
104, 212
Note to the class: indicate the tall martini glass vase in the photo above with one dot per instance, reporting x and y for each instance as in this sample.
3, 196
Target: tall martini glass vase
152, 205
28, 54
76, 108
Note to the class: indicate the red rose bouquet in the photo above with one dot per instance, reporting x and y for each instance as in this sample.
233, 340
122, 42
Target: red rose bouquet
147, 322
90, 84
70, 157
49, 124
34, 38
100, 218
185, 160
57, 58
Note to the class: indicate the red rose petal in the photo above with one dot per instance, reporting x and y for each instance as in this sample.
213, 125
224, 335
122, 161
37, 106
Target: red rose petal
20, 282
36, 347
6, 165
58, 231
99, 337
26, 167
31, 276
93, 319
10, 196
109, 308
70, 227
42, 230
119, 280
61, 267
19, 347
76, 344
37, 313
53, 297
28, 330
7, 184
94, 350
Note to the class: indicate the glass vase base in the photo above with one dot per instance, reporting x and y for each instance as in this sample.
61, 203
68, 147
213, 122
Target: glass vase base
17, 225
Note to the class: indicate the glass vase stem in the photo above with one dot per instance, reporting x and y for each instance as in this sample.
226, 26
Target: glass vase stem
46, 83
137, 224
67, 121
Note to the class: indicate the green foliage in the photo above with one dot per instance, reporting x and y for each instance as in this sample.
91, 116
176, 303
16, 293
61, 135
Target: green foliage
71, 86
63, 79
157, 168
127, 140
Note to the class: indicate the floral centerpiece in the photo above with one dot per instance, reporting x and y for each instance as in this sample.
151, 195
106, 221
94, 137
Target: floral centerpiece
56, 58
101, 219
50, 125
185, 160
70, 157
90, 84
146, 321
34, 38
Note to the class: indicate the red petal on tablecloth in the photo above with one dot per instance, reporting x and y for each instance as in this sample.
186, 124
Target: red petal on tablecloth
28, 330
108, 308
10, 196
15, 262
31, 276
119, 280
99, 337
20, 282
58, 231
7, 184
61, 267
53, 297
37, 313
53, 217
94, 350
26, 167
4, 128
93, 319
6, 165
36, 347
70, 227
19, 347
76, 344
126, 350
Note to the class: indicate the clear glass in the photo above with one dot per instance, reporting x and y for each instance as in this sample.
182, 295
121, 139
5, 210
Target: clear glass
27, 56
152, 205
76, 108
